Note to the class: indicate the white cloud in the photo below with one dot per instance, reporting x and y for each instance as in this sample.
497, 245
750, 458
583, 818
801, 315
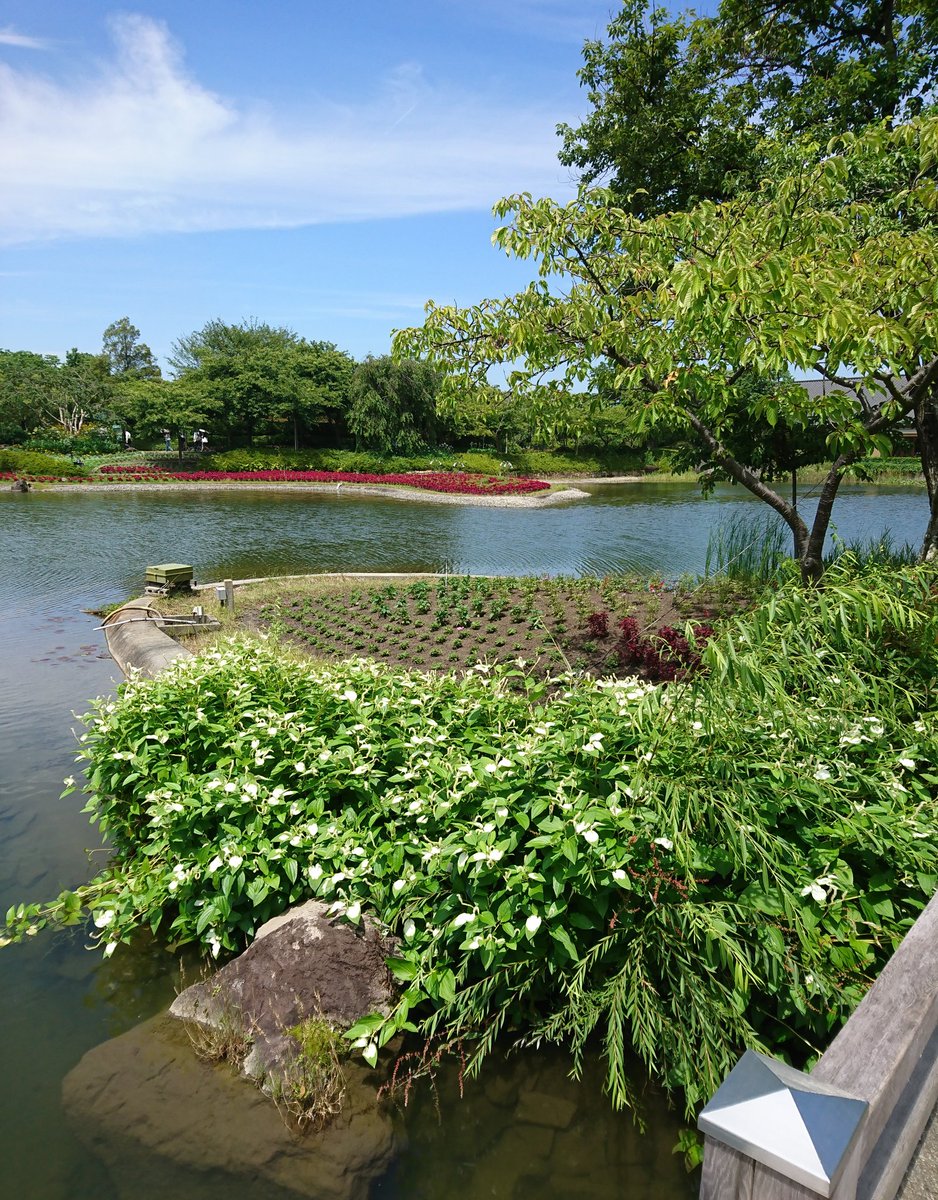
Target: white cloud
141, 146
9, 37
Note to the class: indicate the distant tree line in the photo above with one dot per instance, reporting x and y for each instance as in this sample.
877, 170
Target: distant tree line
254, 383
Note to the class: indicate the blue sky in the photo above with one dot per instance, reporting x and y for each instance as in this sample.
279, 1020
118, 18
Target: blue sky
324, 166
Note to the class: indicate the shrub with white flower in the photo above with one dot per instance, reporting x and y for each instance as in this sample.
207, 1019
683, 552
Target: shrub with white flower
566, 859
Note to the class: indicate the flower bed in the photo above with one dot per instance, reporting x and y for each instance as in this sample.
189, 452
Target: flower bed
453, 483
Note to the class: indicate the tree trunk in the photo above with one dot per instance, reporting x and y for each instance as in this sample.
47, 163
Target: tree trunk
926, 427
811, 560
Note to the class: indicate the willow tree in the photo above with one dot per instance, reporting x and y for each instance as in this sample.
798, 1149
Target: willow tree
817, 270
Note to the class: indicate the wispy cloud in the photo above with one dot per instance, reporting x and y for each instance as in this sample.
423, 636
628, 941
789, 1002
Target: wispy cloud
141, 146
9, 37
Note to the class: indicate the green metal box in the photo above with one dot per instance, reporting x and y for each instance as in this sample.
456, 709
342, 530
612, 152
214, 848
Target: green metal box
169, 575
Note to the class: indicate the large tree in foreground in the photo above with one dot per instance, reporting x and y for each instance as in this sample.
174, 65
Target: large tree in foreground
683, 307
679, 104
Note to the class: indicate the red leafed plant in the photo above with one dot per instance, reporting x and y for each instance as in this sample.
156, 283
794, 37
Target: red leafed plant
665, 655
597, 624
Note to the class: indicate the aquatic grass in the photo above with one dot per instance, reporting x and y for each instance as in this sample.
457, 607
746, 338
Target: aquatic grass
748, 548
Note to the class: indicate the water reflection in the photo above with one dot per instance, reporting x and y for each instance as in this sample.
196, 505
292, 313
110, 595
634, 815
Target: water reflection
61, 553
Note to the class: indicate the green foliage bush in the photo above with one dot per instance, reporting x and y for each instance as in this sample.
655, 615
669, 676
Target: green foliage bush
34, 462
55, 442
889, 469
313, 460
484, 462
684, 871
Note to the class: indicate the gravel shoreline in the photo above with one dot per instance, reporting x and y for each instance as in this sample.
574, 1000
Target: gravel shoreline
389, 491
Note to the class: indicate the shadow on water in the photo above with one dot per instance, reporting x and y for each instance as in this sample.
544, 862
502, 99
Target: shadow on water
524, 1129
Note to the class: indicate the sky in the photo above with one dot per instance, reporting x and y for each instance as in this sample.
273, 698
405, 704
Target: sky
324, 166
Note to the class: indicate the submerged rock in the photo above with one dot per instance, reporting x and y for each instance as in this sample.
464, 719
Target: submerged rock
165, 1122
161, 1117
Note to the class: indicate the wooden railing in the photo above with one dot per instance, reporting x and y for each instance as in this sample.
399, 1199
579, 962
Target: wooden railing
887, 1055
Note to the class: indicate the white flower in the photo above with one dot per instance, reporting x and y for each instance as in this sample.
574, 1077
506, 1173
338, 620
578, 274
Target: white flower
215, 864
235, 861
354, 911
463, 919
591, 836
69, 781
398, 886
299, 767
103, 919
908, 763
349, 694
618, 874
314, 872
325, 755
664, 843
109, 949
409, 929
533, 923
231, 787
822, 772
818, 889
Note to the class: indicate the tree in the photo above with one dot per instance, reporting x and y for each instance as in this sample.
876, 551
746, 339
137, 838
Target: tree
82, 389
126, 354
680, 105
27, 382
392, 405
255, 375
682, 306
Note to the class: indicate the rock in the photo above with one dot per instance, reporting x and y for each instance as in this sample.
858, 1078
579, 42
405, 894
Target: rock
301, 964
164, 1122
545, 1108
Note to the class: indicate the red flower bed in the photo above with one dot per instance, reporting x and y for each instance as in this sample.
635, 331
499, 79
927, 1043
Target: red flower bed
431, 481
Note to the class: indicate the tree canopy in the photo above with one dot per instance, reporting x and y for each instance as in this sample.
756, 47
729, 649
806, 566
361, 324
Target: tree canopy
682, 306
254, 374
393, 405
125, 353
679, 104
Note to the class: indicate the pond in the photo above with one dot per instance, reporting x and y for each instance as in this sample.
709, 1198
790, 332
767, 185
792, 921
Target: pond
62, 553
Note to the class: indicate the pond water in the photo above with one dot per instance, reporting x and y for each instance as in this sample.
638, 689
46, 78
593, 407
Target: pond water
62, 553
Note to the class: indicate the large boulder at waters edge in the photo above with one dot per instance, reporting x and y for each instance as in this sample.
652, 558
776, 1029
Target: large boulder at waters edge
164, 1121
301, 964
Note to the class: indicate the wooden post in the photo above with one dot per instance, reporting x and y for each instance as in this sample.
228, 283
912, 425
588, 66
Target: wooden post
229, 595
887, 1055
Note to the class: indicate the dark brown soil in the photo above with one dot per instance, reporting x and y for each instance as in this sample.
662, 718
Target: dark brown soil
450, 624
